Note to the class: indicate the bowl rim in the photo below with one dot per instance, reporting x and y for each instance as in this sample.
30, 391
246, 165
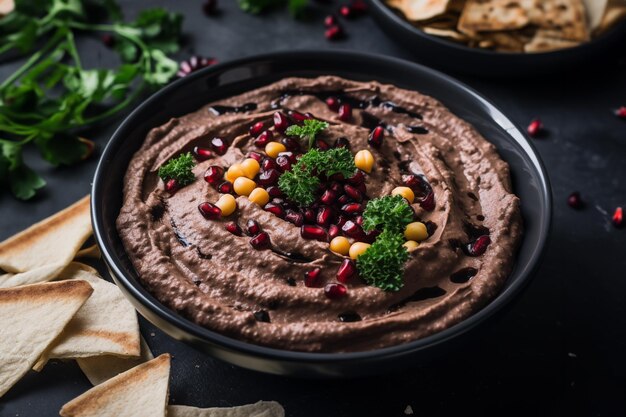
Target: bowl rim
140, 294
387, 12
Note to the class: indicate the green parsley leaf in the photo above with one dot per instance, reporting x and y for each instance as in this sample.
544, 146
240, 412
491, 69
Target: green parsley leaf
179, 169
299, 187
391, 212
309, 129
296, 7
382, 264
61, 149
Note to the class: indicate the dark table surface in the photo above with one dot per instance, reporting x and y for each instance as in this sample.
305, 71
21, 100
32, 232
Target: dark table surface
561, 349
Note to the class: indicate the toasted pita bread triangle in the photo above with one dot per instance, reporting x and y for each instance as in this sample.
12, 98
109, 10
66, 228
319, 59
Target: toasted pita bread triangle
92, 251
417, 10
492, 15
31, 317
105, 325
39, 274
53, 241
260, 409
139, 392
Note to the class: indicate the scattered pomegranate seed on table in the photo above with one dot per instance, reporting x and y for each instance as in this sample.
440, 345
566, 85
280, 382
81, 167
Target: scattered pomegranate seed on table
575, 201
334, 33
621, 112
618, 217
193, 64
330, 20
535, 127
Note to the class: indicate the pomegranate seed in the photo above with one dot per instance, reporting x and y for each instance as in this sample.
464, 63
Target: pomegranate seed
333, 33
479, 246
322, 144
353, 193
428, 203
233, 228
274, 191
359, 220
289, 155
260, 241
108, 40
269, 177
328, 197
284, 164
281, 122
255, 155
618, 217
346, 11
313, 232
358, 7
341, 220
297, 116
574, 200
353, 230
336, 187
263, 139
347, 269
330, 20
253, 227
376, 137
343, 199
294, 217
371, 236
202, 154
357, 178
171, 186
268, 163
332, 103
209, 7
324, 215
214, 174
345, 112
311, 278
210, 211
535, 127
352, 208
290, 143
193, 64
225, 188
335, 291
219, 146
621, 112
256, 128
342, 142
276, 209
309, 215
333, 231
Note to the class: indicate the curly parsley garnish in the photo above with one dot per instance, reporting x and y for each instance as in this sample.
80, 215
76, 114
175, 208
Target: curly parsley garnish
308, 131
179, 169
382, 264
301, 183
391, 212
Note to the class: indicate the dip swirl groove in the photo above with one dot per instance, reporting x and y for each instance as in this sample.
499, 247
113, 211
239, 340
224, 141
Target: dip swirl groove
215, 278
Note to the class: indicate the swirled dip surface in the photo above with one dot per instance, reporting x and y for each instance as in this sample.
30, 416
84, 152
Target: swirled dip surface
197, 268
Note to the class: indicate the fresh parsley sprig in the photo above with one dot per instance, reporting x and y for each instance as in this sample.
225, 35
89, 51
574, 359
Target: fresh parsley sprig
307, 131
179, 169
51, 97
391, 212
382, 264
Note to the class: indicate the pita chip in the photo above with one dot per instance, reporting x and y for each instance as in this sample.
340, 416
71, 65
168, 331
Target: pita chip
542, 42
139, 392
615, 11
260, 409
92, 251
567, 18
51, 243
40, 274
492, 15
417, 10
98, 369
595, 12
6, 7
31, 317
105, 325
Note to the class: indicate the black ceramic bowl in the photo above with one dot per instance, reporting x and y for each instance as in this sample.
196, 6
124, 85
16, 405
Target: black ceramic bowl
220, 81
459, 58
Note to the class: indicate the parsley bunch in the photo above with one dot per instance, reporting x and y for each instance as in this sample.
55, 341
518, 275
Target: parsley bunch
390, 212
51, 97
179, 169
309, 129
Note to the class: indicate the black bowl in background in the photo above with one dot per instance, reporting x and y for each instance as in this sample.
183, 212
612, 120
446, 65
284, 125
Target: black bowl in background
455, 57
220, 81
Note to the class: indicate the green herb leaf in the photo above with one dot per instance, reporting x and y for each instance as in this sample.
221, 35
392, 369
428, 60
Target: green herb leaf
299, 187
382, 264
391, 212
309, 129
296, 7
61, 149
179, 169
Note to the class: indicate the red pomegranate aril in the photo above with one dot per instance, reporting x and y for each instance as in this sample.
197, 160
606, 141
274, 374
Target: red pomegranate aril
264, 138
324, 216
346, 11
618, 217
171, 186
284, 164
260, 241
256, 128
309, 215
311, 278
274, 191
332, 103
281, 122
361, 188
353, 193
322, 145
352, 208
214, 175
294, 217
574, 200
313, 232
376, 137
255, 155
535, 127
289, 155
269, 177
268, 163
328, 197
219, 146
353, 230
479, 246
336, 186
621, 112
357, 178
345, 112
335, 291
342, 142
333, 33
428, 203
290, 143
276, 209
359, 220
358, 6
233, 228
341, 220
253, 227
347, 270
333, 231
343, 199
297, 116
210, 211
225, 188
330, 20
202, 154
